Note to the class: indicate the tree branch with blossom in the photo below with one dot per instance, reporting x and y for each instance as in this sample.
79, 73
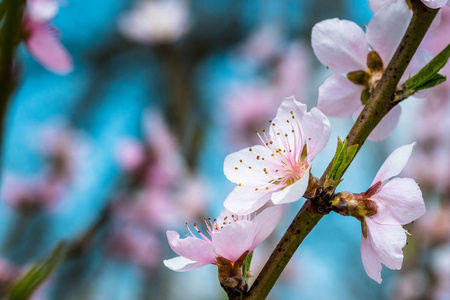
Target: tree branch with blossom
378, 105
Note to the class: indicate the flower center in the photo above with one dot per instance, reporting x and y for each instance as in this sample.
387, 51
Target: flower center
214, 226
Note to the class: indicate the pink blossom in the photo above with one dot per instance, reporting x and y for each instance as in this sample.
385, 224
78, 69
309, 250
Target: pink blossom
279, 170
230, 236
248, 107
31, 193
375, 5
263, 44
42, 10
42, 40
345, 48
399, 201
435, 3
156, 21
132, 242
155, 162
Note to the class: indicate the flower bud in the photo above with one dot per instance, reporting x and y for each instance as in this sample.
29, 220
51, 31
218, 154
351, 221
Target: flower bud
374, 62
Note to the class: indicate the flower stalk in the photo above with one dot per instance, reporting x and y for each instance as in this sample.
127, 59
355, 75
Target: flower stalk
378, 105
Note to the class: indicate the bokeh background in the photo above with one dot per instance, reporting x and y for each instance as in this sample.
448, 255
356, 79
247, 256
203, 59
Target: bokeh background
131, 143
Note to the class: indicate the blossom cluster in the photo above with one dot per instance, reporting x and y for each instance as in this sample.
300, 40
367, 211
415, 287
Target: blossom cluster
278, 171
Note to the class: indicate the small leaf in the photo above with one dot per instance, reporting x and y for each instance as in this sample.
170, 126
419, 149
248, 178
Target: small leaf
434, 81
246, 266
30, 281
338, 158
424, 76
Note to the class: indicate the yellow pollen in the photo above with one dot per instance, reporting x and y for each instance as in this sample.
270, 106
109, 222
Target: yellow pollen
240, 160
240, 184
271, 142
250, 149
257, 157
256, 189
292, 112
285, 134
272, 154
235, 168
267, 187
249, 167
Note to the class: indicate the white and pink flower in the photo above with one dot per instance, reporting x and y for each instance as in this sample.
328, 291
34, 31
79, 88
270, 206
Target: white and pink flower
398, 202
278, 170
345, 48
228, 237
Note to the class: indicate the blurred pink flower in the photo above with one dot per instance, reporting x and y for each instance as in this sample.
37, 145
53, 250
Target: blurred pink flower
31, 193
156, 162
153, 22
399, 201
42, 40
375, 5
139, 244
344, 48
263, 44
279, 170
249, 107
435, 3
230, 236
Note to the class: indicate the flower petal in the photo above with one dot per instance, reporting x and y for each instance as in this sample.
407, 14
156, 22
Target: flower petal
266, 222
338, 97
341, 45
386, 29
182, 264
375, 5
243, 201
192, 248
247, 166
399, 201
370, 260
45, 47
316, 132
388, 242
234, 239
394, 164
292, 192
290, 111
387, 125
435, 3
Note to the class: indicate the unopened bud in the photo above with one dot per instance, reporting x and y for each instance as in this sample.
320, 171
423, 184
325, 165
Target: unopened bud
374, 62
359, 77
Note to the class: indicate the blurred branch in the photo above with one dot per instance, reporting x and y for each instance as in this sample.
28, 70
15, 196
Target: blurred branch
9, 37
377, 107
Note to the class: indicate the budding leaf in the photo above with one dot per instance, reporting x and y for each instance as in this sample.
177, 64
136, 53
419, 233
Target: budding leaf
344, 155
30, 281
338, 158
428, 76
246, 266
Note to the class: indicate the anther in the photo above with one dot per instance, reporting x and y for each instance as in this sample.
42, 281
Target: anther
235, 168
257, 157
256, 189
250, 149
